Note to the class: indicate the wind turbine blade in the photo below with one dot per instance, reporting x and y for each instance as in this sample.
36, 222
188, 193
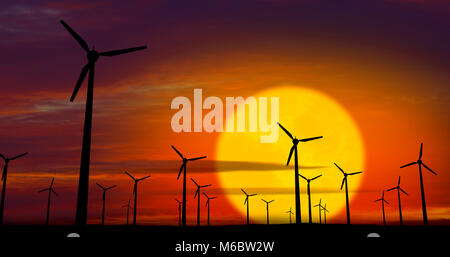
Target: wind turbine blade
80, 81
403, 191
111, 187
290, 155
214, 197
317, 177
244, 191
246, 199
198, 158
42, 190
130, 175
51, 184
207, 202
285, 130
54, 192
316, 205
194, 182
122, 51
421, 148
196, 192
146, 177
377, 200
181, 169
3, 157
178, 152
391, 189
100, 186
309, 139
76, 36
343, 182
253, 194
409, 164
429, 168
398, 184
303, 177
354, 173
206, 195
339, 168
387, 202
18, 156
206, 185
264, 200
271, 201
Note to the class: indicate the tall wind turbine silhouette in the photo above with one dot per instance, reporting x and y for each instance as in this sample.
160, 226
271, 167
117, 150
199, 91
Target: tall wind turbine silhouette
128, 205
183, 169
320, 210
4, 176
92, 56
295, 142
197, 193
267, 208
180, 203
247, 201
325, 210
50, 191
399, 189
104, 198
309, 194
382, 205
422, 191
290, 215
344, 180
135, 194
208, 203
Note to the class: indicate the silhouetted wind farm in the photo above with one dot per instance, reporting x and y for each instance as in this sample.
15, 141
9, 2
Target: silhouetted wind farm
135, 191
344, 181
399, 189
309, 194
50, 192
420, 163
247, 202
92, 57
104, 199
4, 176
382, 206
295, 141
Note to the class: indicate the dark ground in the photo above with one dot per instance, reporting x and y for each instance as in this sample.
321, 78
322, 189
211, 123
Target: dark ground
287, 238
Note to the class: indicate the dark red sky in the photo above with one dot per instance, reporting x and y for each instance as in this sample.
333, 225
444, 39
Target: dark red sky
387, 62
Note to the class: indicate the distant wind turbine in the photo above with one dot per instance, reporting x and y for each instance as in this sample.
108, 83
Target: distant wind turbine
128, 206
325, 210
248, 203
267, 208
50, 191
104, 199
183, 169
344, 181
179, 211
135, 194
422, 191
197, 193
309, 194
295, 142
290, 215
382, 205
92, 56
4, 176
320, 210
399, 189
208, 203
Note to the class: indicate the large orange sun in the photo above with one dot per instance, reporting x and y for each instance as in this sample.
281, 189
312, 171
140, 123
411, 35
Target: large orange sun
305, 113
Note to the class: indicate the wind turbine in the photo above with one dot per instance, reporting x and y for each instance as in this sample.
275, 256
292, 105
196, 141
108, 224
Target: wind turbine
4, 175
135, 194
208, 203
295, 142
267, 208
422, 191
248, 203
324, 208
290, 215
179, 211
104, 198
50, 191
399, 202
344, 180
183, 169
320, 210
382, 205
197, 193
92, 56
128, 205
309, 194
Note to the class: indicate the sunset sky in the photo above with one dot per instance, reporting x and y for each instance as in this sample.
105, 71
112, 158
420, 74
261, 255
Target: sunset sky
387, 63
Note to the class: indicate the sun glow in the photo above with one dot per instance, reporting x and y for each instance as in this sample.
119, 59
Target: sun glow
305, 113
